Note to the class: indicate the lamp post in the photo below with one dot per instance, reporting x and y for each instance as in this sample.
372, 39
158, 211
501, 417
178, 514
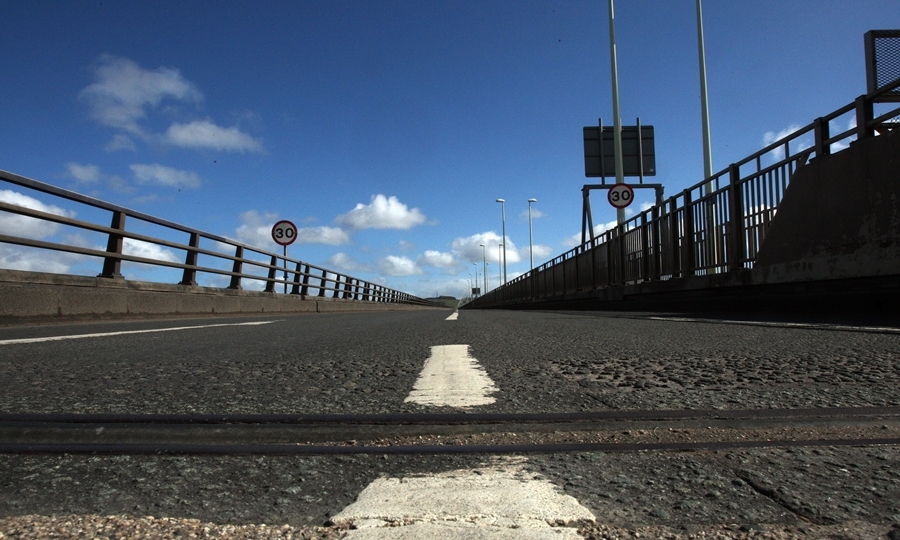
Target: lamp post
499, 250
503, 217
530, 234
617, 121
484, 261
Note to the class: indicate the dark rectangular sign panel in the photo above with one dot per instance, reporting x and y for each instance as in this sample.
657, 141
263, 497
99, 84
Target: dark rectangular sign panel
595, 146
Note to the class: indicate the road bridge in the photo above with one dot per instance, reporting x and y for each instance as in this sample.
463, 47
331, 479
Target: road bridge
811, 219
617, 422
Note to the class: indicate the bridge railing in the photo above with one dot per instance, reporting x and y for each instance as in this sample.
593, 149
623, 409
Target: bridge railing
715, 226
196, 253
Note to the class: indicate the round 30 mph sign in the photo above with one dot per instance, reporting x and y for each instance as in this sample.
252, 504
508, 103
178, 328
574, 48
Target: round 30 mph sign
284, 232
620, 195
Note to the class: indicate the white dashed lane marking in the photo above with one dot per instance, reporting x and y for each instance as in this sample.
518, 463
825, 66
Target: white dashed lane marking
104, 334
499, 501
453, 316
452, 378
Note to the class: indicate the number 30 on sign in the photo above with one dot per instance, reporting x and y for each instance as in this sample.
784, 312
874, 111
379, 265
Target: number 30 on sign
620, 195
284, 232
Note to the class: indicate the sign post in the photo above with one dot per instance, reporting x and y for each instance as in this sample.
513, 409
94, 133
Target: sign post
284, 233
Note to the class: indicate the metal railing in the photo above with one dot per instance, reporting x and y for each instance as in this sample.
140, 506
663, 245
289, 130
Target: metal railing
700, 231
246, 262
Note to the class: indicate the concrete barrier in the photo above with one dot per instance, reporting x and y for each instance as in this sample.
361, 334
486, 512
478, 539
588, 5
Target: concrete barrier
27, 296
839, 218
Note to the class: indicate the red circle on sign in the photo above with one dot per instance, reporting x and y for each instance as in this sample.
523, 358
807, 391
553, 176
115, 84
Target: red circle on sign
284, 232
620, 195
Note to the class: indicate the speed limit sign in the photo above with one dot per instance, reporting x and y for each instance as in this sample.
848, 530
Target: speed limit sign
284, 232
620, 195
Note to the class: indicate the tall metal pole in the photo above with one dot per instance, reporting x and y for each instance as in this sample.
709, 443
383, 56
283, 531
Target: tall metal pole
704, 101
617, 121
503, 218
484, 261
531, 233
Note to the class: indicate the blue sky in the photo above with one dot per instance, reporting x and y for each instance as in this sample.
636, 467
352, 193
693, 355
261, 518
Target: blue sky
386, 130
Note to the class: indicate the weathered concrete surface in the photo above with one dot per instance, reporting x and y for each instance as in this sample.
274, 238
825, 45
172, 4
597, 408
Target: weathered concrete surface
840, 217
39, 296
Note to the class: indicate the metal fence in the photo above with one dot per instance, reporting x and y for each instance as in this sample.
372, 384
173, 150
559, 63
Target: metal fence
713, 227
199, 252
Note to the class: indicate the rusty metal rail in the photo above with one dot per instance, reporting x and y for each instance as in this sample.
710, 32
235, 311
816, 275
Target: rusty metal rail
701, 231
289, 434
224, 257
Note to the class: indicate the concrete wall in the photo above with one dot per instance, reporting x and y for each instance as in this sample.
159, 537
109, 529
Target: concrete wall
840, 218
40, 296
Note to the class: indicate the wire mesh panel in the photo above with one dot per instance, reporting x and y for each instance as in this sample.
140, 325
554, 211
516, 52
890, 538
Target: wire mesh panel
883, 62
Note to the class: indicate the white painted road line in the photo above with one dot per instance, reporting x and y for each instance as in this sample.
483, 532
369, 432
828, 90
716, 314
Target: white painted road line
499, 501
807, 326
452, 378
104, 334
453, 316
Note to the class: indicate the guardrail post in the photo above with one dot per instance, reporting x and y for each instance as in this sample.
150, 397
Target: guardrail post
655, 226
689, 257
646, 268
112, 266
190, 274
305, 289
864, 113
820, 128
295, 288
737, 215
322, 283
237, 268
270, 279
337, 286
675, 238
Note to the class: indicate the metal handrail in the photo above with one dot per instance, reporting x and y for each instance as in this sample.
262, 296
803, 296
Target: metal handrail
303, 279
669, 241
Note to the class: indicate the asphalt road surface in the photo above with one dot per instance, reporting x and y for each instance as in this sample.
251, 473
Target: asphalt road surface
517, 362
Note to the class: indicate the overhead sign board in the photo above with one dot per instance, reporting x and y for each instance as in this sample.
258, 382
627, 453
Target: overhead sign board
600, 151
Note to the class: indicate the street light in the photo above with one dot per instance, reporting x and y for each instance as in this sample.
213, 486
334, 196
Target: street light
484, 260
503, 217
499, 249
531, 233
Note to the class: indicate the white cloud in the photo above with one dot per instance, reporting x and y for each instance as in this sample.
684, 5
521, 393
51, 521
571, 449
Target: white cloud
541, 253
34, 260
796, 145
398, 266
146, 250
256, 230
164, 176
535, 214
575, 239
342, 261
84, 173
205, 134
332, 236
120, 141
382, 213
438, 259
469, 248
28, 227
124, 90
